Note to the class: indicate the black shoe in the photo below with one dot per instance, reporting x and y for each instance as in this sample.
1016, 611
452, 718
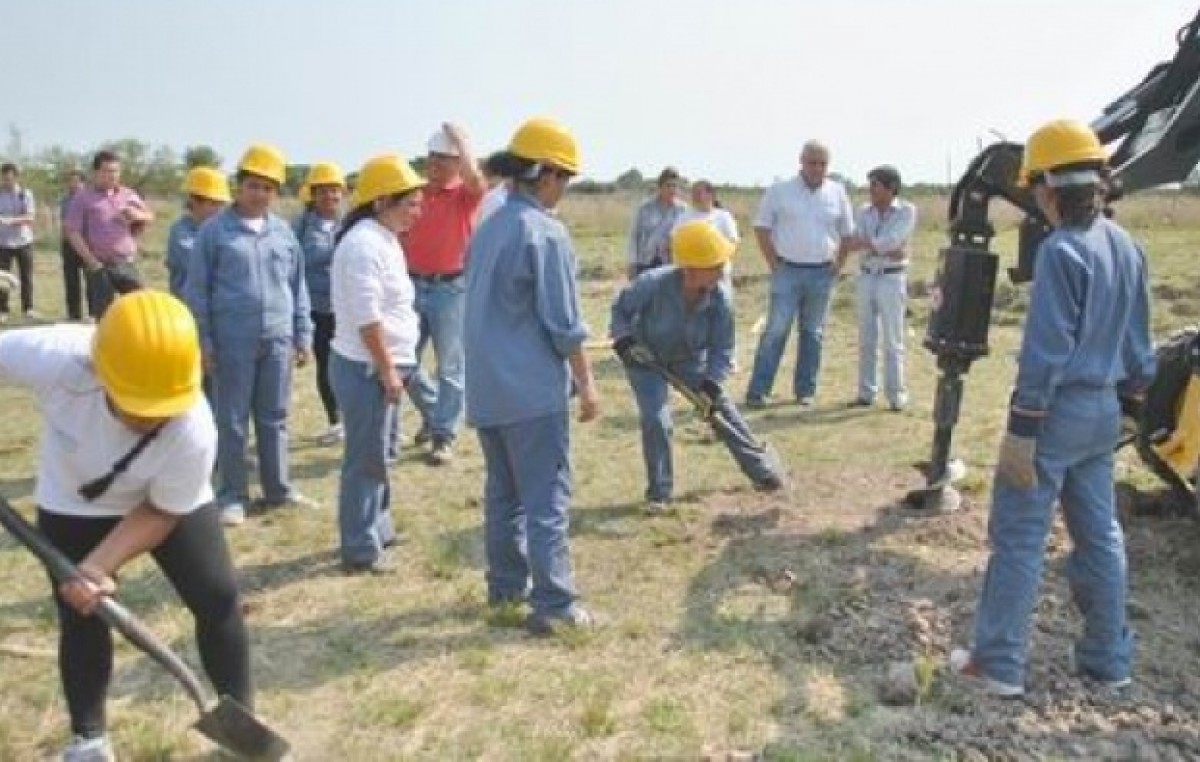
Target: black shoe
576, 619
860, 402
423, 436
442, 454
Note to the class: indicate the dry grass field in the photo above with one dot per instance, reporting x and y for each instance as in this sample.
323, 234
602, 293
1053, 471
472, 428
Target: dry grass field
740, 627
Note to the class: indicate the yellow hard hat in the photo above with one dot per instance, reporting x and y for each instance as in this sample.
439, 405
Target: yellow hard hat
146, 353
208, 183
305, 194
700, 245
325, 173
1057, 144
382, 176
546, 141
265, 161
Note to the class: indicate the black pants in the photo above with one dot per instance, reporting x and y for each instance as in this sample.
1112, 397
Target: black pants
195, 560
73, 281
23, 255
322, 336
109, 282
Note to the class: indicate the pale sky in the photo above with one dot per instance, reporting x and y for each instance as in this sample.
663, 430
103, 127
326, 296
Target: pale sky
721, 89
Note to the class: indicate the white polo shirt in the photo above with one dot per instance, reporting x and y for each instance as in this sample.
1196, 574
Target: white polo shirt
82, 439
370, 284
807, 225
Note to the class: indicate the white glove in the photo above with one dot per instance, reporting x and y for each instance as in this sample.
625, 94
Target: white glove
9, 283
1015, 466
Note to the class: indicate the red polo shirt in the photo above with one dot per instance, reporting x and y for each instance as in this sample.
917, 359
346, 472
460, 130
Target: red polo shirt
437, 243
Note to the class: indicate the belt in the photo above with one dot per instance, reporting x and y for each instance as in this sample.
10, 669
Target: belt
808, 265
890, 270
436, 277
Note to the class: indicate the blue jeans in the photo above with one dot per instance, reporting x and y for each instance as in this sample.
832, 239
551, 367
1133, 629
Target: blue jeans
441, 306
651, 391
800, 294
881, 300
364, 496
527, 498
253, 377
1074, 466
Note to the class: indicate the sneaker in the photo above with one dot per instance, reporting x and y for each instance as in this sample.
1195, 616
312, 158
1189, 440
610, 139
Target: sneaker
380, 567
806, 401
577, 618
1108, 685
31, 315
656, 508
442, 453
233, 515
755, 403
897, 406
963, 665
335, 434
95, 749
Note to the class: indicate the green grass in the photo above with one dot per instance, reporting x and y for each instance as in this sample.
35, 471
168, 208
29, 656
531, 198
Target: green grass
701, 650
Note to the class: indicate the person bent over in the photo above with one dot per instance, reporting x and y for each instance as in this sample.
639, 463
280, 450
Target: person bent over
675, 323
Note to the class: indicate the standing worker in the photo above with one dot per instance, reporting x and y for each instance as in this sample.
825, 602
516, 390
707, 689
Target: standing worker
650, 235
801, 227
126, 472
246, 288
680, 317
436, 248
103, 224
17, 215
524, 344
1086, 344
315, 228
884, 228
206, 192
374, 351
72, 266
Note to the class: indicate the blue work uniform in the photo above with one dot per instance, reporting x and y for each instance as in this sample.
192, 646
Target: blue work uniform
694, 344
522, 321
247, 291
316, 235
181, 242
1086, 337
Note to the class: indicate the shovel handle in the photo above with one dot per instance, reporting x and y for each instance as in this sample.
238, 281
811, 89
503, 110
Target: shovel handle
117, 616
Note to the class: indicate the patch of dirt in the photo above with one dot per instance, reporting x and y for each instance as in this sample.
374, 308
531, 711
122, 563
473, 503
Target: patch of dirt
874, 586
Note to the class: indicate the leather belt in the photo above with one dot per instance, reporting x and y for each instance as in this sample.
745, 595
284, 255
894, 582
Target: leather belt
890, 270
436, 277
808, 265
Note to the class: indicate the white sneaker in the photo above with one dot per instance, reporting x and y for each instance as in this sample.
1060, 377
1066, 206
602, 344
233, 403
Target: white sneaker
31, 315
233, 515
82, 749
963, 665
335, 434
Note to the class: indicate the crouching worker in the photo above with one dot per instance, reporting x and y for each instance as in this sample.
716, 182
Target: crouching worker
124, 470
674, 325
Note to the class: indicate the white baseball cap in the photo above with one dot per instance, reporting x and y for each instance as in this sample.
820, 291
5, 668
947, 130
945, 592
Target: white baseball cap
440, 142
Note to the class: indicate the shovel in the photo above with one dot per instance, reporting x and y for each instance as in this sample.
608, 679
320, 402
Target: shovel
227, 723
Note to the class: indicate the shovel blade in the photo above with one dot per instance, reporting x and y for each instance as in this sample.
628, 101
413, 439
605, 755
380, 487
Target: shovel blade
232, 727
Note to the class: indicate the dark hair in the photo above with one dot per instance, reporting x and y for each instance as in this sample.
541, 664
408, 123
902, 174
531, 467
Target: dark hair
519, 169
365, 211
491, 165
711, 189
8, 167
241, 175
887, 176
1077, 204
104, 157
668, 174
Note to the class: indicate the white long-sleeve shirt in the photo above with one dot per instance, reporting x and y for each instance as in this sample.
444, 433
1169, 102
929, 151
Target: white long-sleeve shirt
370, 284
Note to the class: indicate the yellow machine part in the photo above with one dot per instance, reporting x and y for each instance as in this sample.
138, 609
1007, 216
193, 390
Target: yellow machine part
1181, 450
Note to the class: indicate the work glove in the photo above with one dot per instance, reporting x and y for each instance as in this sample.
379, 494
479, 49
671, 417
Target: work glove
633, 352
1015, 466
9, 283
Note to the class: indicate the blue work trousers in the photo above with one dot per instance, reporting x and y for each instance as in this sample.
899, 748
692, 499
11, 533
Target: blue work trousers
1074, 462
800, 294
441, 306
253, 378
364, 496
652, 393
881, 302
527, 498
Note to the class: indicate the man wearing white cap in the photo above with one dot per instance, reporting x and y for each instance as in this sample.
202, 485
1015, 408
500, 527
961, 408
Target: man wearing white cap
436, 247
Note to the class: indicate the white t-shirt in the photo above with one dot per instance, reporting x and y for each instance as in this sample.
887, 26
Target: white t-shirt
371, 285
82, 439
720, 219
806, 224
